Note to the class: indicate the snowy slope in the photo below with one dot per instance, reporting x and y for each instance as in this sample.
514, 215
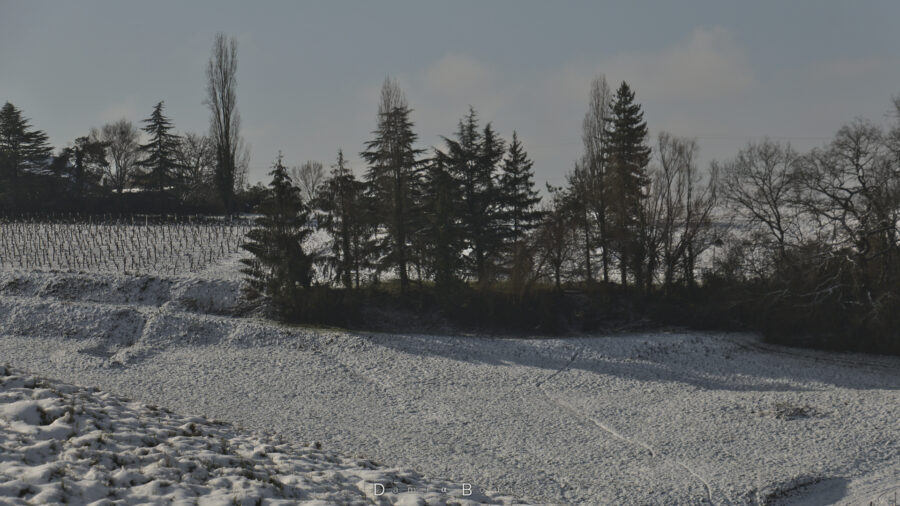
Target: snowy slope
661, 418
64, 444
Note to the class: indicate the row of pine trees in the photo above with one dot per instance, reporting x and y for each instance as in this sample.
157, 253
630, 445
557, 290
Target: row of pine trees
467, 212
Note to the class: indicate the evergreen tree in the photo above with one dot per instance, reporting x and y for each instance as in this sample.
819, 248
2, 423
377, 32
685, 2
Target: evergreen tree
489, 237
160, 162
280, 269
341, 202
442, 231
626, 180
394, 181
21, 149
473, 158
518, 197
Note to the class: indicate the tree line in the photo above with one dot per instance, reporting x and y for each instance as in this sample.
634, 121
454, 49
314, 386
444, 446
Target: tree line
109, 170
803, 246
469, 211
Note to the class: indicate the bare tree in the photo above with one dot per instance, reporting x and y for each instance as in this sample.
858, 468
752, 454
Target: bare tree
309, 178
893, 136
852, 190
122, 141
554, 236
759, 185
682, 207
392, 97
197, 159
594, 133
580, 206
700, 203
225, 121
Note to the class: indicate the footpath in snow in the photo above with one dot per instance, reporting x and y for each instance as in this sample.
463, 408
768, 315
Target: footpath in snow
656, 418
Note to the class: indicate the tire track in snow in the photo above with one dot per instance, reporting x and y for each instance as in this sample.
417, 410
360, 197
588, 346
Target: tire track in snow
602, 426
561, 369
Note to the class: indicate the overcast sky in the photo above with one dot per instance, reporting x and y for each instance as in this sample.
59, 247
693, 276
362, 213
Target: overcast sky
309, 72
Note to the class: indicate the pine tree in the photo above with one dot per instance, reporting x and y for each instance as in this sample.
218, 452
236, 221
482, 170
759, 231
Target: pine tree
626, 180
160, 162
489, 237
473, 157
341, 202
280, 269
442, 230
21, 149
518, 197
394, 181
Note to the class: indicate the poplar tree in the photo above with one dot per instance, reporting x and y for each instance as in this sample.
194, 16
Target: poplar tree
224, 121
592, 175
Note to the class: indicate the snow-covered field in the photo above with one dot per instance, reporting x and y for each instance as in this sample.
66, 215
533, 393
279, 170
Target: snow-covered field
661, 418
64, 444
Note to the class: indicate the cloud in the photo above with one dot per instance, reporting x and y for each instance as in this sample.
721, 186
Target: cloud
457, 75
708, 64
440, 93
546, 105
117, 111
846, 68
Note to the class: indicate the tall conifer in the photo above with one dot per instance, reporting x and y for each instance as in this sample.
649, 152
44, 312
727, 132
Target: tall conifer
160, 162
518, 197
21, 148
279, 267
341, 201
626, 179
394, 181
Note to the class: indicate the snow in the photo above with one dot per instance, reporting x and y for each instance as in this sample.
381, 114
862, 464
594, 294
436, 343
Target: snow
664, 417
64, 444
